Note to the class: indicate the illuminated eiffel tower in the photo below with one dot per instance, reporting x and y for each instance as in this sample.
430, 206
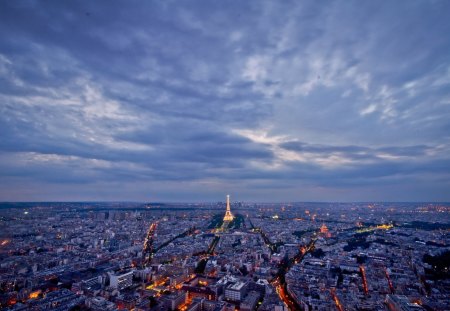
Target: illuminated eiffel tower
228, 216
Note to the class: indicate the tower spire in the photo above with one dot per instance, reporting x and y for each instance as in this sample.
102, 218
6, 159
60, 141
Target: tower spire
228, 215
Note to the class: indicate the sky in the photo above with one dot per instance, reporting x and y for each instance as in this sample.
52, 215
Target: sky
269, 101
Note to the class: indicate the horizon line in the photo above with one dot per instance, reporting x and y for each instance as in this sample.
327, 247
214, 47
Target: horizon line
197, 202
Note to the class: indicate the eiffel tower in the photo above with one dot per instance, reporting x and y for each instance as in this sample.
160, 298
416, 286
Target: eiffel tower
228, 216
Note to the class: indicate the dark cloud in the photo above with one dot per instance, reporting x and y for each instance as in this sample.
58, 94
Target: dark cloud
303, 147
358, 151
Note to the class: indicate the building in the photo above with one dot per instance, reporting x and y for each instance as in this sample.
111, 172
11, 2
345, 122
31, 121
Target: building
401, 303
100, 304
121, 281
236, 291
250, 301
176, 300
201, 304
324, 231
62, 299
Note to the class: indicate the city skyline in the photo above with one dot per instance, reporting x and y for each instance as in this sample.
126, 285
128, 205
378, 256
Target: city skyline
184, 102
268, 257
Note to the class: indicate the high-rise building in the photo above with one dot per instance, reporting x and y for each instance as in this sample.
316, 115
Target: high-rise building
228, 215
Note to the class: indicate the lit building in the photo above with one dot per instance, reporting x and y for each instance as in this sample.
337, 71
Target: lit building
324, 231
228, 215
121, 281
401, 303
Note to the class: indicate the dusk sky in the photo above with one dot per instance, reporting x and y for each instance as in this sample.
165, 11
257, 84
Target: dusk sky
191, 100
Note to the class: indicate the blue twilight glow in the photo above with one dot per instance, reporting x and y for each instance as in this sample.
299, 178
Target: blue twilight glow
188, 100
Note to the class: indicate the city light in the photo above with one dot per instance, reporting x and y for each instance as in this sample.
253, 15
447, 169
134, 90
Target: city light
164, 253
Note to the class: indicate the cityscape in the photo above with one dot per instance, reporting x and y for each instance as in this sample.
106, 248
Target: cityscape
225, 155
225, 256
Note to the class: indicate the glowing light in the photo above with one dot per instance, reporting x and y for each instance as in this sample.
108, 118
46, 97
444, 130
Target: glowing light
228, 215
379, 227
34, 295
336, 301
391, 286
364, 279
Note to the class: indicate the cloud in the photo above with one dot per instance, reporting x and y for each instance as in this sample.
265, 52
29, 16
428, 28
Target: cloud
261, 98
